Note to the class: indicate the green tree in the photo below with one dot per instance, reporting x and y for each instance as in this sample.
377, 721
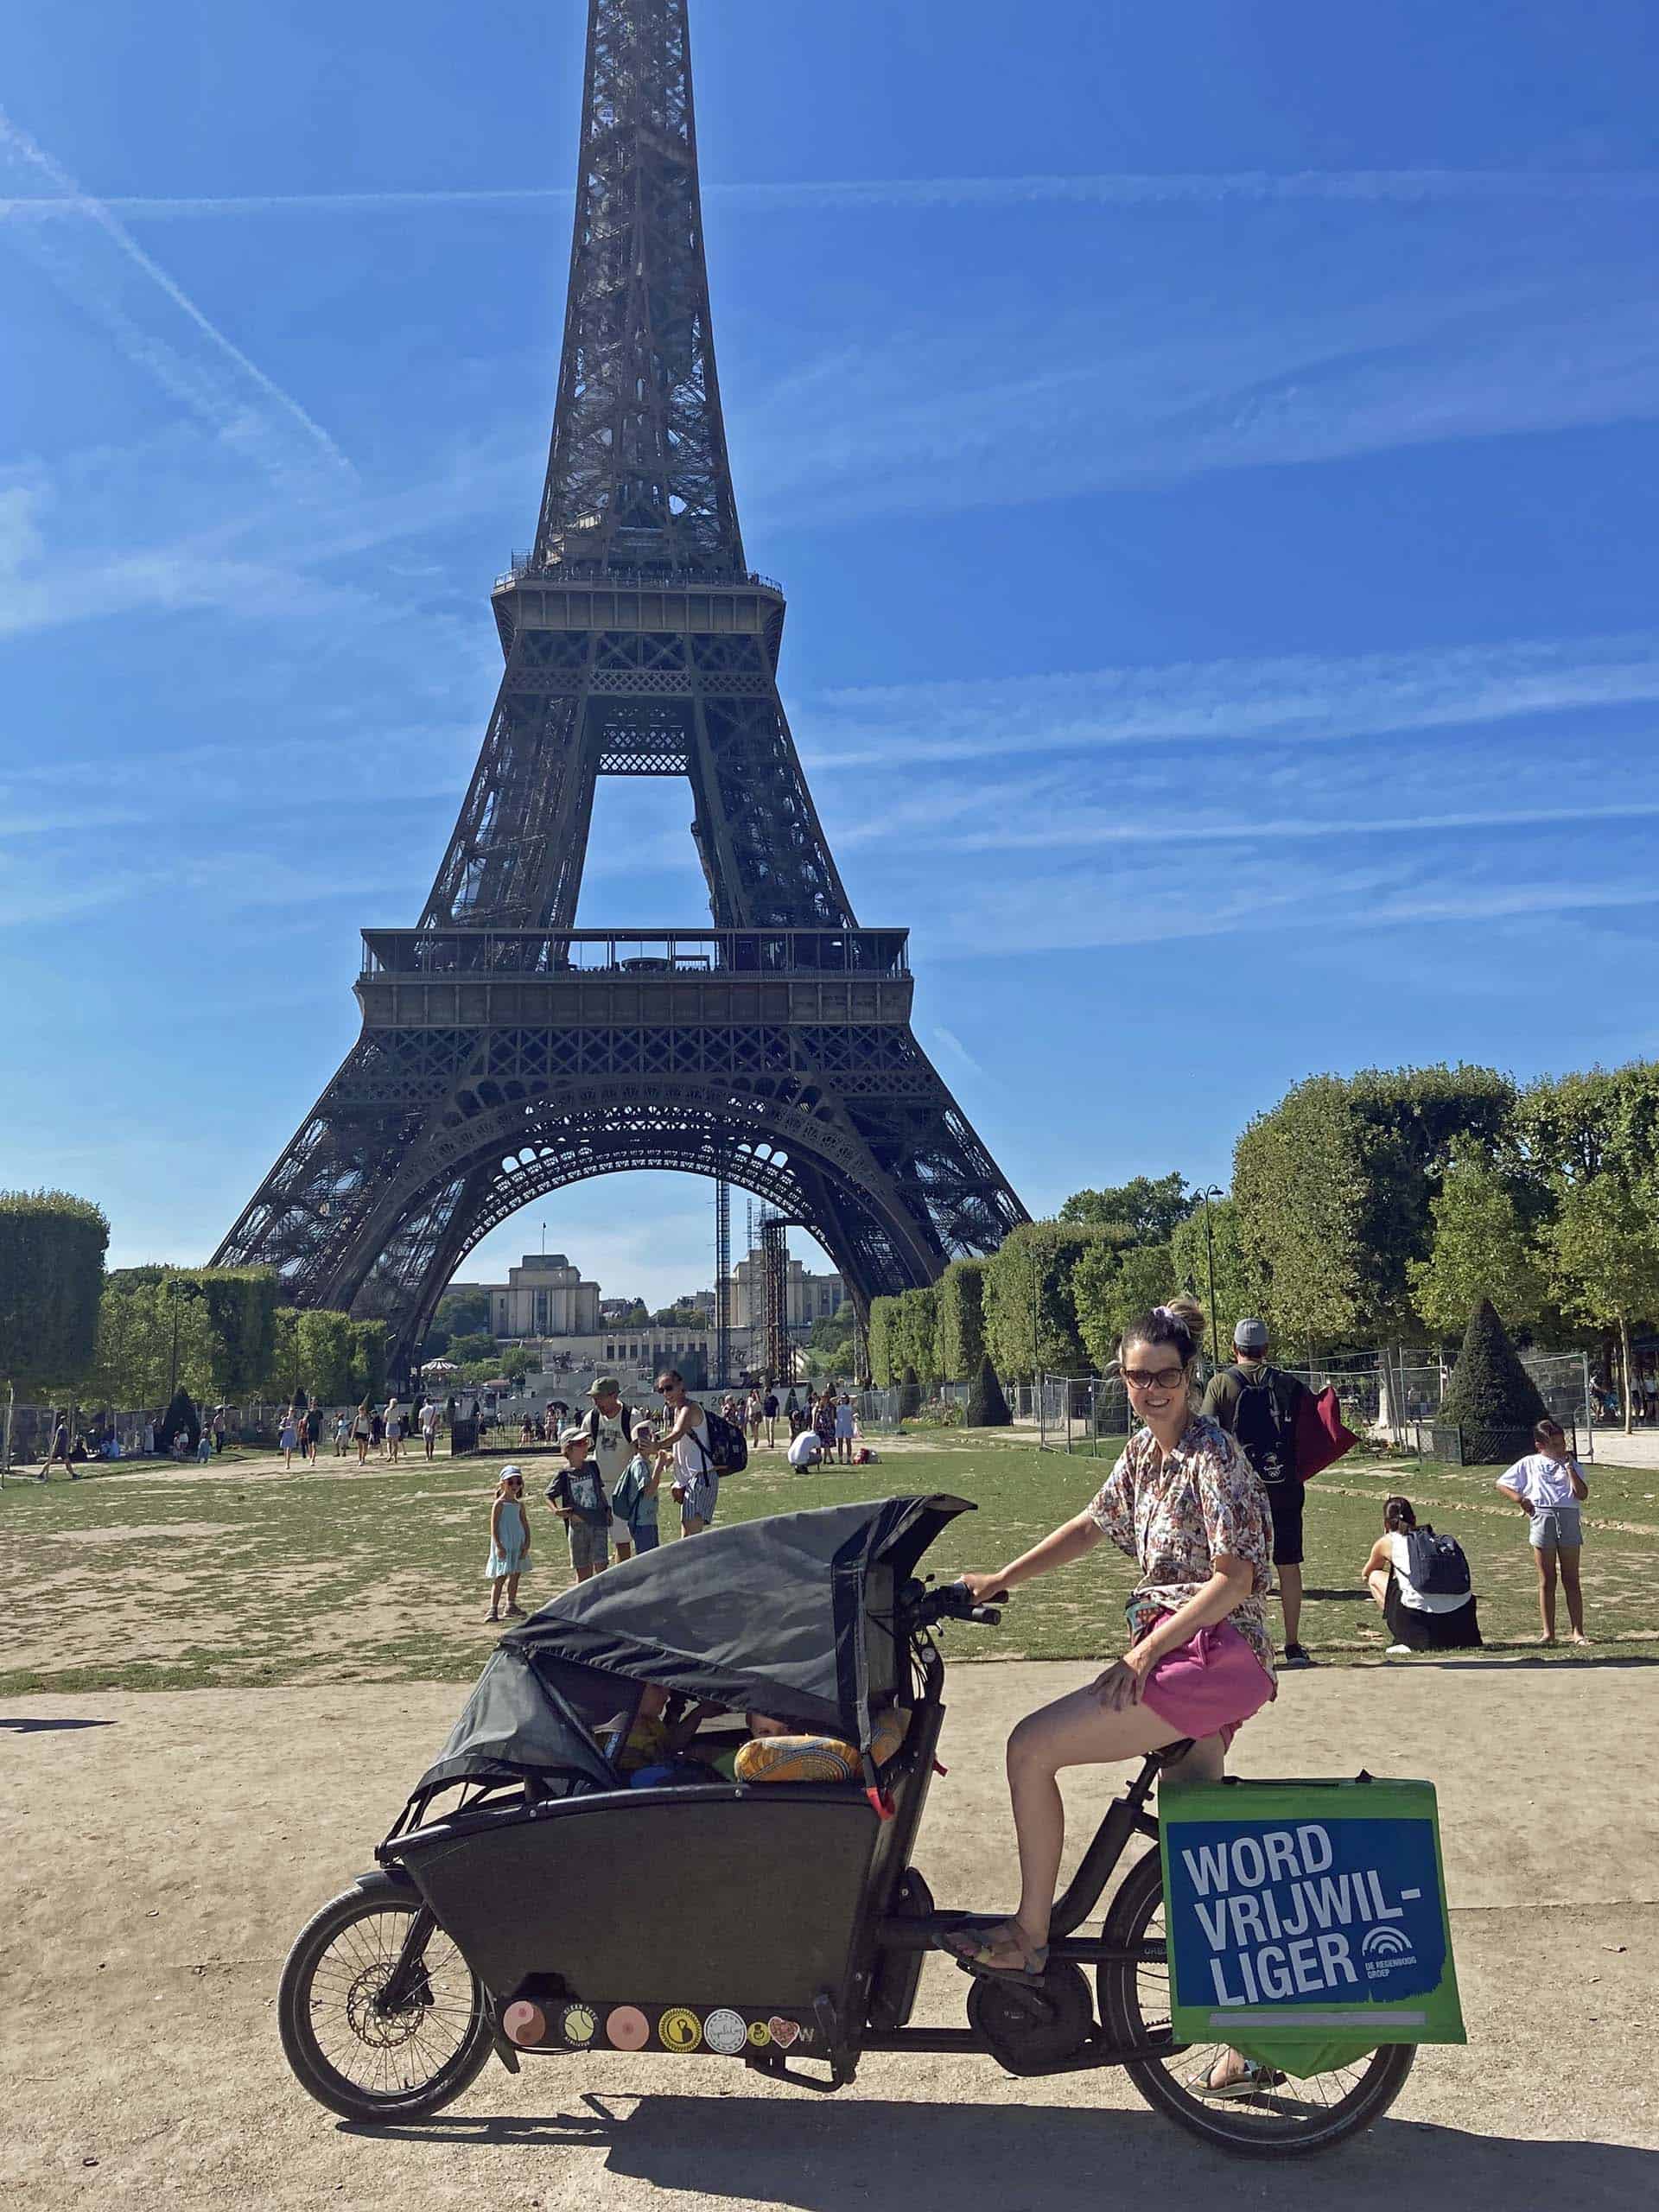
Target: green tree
912, 1333
1603, 1253
1333, 1188
1030, 1315
52, 1247
152, 1338
1110, 1289
480, 1346
323, 1348
830, 1344
460, 1313
369, 1360
881, 1317
987, 1406
1149, 1210
1239, 1288
1484, 1247
284, 1378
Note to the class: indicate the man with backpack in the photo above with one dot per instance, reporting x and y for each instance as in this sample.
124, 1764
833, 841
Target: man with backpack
1258, 1404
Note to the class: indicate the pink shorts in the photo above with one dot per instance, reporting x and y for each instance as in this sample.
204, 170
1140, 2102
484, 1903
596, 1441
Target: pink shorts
1211, 1686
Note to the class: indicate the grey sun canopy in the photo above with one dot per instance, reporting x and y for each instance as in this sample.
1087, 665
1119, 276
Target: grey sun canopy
776, 1614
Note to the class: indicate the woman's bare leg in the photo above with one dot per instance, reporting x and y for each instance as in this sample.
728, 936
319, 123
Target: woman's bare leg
1075, 1731
1377, 1582
1568, 1556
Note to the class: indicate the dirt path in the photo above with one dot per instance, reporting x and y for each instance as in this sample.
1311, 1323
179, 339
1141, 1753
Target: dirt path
161, 1851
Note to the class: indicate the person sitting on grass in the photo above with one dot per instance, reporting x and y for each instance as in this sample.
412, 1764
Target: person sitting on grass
509, 1544
1549, 1485
1418, 1620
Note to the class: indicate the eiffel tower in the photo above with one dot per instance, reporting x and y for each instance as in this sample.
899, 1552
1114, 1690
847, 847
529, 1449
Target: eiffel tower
505, 1054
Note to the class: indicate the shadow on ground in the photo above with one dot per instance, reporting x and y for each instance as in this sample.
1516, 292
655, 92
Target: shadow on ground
34, 1727
894, 2157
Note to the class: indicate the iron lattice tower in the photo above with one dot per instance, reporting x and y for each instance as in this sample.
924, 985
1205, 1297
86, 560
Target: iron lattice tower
774, 1268
723, 1281
505, 1053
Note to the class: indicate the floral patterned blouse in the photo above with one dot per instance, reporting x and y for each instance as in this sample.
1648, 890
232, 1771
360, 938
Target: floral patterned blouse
1174, 1512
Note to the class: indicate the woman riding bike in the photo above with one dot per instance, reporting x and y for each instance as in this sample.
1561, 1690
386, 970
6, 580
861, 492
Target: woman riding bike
1185, 1503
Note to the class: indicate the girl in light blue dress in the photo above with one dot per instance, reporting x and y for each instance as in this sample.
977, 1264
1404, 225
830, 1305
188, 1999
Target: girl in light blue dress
509, 1544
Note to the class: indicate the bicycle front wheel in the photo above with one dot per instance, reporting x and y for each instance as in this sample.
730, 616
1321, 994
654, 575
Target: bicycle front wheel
346, 2046
1285, 2116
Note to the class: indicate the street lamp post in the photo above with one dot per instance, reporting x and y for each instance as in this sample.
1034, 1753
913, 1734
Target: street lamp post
1213, 1191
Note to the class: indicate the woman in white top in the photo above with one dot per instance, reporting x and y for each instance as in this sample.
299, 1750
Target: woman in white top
1418, 1620
685, 1439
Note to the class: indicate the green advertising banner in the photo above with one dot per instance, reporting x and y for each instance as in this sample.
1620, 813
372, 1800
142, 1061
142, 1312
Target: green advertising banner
1306, 1921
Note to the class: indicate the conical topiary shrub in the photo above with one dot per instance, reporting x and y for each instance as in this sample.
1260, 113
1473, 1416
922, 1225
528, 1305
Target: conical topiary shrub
1492, 1401
179, 1419
987, 1406
910, 1394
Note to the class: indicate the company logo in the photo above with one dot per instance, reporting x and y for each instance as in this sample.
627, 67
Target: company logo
1383, 1949
680, 2030
726, 2032
578, 2023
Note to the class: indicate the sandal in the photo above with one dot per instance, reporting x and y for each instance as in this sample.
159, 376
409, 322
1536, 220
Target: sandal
488, 1617
1249, 2083
974, 1950
517, 1614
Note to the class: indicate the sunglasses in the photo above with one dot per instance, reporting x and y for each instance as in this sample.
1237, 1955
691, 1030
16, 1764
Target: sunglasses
1164, 1378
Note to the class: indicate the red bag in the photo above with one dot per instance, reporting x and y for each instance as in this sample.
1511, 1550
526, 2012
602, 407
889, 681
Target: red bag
1320, 1436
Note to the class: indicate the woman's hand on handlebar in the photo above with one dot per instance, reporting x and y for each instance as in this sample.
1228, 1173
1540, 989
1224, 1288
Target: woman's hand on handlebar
984, 1589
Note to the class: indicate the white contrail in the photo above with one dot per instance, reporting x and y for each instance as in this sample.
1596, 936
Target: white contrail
157, 358
1115, 188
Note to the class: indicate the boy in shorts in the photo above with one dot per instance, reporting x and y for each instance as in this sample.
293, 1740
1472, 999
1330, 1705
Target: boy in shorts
1549, 1485
576, 1494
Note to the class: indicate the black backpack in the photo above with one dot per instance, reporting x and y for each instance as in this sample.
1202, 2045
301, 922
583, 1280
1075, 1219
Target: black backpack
728, 1450
1435, 1565
1265, 1433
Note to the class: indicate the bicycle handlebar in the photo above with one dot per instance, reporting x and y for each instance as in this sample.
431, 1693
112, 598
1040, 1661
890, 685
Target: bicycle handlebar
953, 1602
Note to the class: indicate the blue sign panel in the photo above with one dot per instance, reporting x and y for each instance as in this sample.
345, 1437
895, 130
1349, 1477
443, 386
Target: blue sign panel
1315, 1915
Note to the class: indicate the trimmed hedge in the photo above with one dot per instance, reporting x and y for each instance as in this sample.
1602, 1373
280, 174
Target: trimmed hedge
52, 1247
959, 1328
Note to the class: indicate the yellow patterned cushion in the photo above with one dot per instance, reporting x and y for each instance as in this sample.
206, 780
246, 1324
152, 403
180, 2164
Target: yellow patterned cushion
817, 1759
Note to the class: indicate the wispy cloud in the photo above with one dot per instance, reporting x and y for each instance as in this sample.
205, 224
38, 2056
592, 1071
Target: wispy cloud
1108, 188
1268, 366
1287, 699
94, 258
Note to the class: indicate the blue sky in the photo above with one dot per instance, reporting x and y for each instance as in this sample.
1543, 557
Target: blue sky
1209, 451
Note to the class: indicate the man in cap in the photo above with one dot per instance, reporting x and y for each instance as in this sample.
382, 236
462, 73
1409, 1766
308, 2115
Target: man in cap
1258, 1404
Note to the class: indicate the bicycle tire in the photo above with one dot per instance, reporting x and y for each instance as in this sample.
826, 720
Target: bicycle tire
376, 1898
1284, 2122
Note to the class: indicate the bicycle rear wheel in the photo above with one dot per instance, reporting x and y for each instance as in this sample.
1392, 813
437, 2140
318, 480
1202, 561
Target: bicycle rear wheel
345, 2046
1286, 2117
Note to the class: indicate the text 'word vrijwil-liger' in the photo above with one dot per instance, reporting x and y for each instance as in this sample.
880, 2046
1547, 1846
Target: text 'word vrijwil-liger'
1288, 1944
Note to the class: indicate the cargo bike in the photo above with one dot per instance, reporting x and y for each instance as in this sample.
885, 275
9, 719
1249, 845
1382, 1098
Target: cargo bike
528, 1903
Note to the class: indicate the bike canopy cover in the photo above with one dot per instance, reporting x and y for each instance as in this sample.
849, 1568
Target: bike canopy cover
777, 1614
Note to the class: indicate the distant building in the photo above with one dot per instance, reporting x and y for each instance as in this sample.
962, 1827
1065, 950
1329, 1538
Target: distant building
808, 1298
543, 1296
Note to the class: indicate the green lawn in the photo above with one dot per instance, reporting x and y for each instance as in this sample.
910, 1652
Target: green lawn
234, 1574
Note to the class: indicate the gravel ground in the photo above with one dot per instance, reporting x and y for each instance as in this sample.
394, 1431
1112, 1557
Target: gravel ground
162, 1850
